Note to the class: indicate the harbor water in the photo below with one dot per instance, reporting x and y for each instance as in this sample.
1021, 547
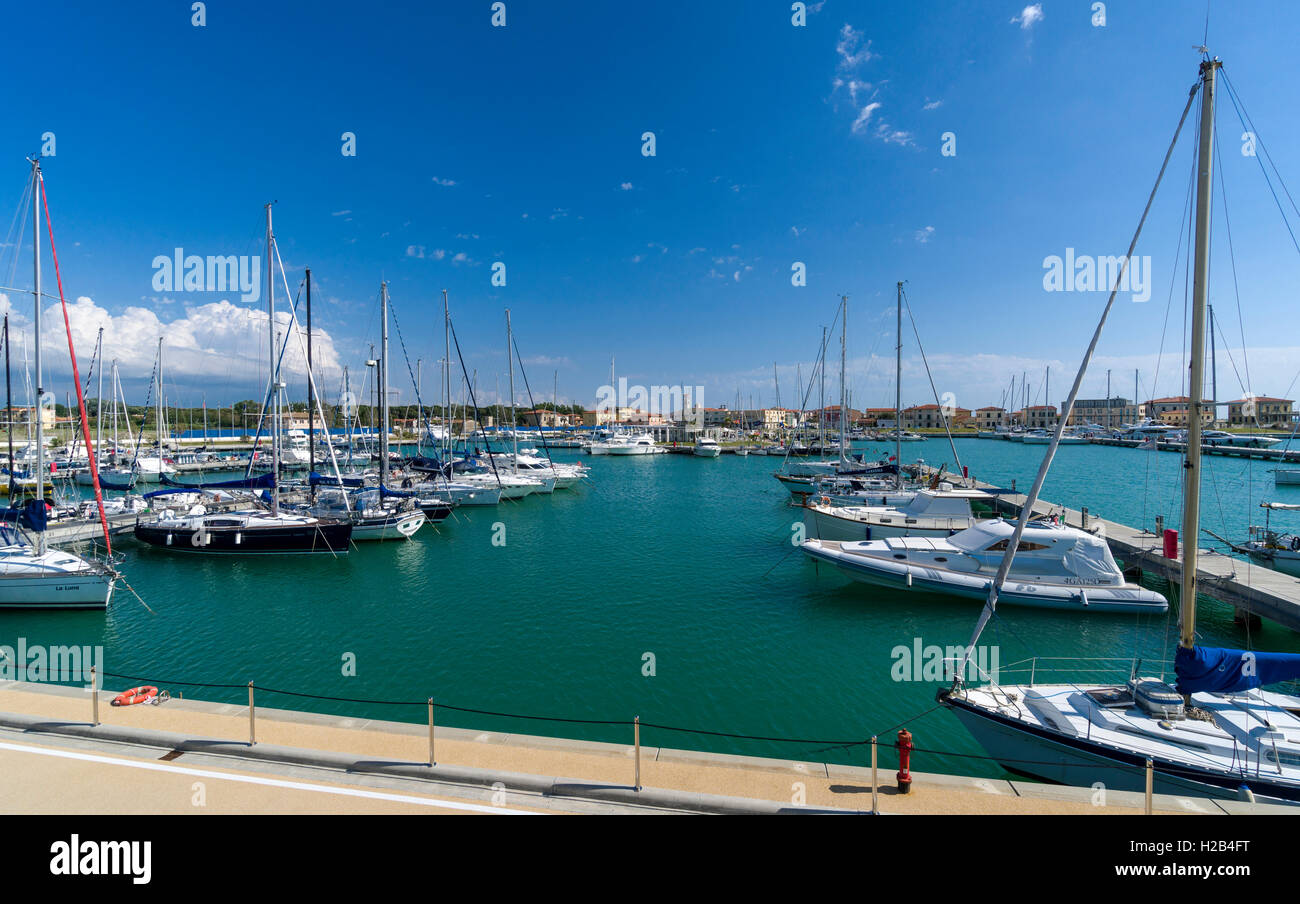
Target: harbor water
665, 587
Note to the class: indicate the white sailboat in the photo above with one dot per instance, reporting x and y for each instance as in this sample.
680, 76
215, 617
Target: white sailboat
1216, 733
32, 575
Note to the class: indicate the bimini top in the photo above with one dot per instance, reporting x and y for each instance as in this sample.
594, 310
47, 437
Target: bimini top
1078, 552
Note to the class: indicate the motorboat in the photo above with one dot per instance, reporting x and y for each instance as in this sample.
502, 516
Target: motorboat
706, 447
1055, 567
929, 513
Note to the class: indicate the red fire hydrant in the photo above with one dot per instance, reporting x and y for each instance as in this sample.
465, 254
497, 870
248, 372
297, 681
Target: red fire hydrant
904, 760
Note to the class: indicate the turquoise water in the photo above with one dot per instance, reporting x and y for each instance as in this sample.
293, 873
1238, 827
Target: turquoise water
684, 558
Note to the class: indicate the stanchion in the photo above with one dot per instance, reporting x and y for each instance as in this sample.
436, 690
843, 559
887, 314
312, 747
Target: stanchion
875, 801
636, 742
94, 698
432, 761
1150, 782
252, 717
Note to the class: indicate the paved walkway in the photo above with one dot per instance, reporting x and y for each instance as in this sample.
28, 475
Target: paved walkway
153, 759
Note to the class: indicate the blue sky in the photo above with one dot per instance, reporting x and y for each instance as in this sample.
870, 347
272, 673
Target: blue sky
775, 144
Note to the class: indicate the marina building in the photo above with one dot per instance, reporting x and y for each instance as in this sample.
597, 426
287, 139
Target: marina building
1172, 410
927, 417
990, 417
1107, 412
1263, 411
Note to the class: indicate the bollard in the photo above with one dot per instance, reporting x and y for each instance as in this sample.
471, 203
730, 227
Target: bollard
904, 759
1083, 517
1160, 525
252, 716
432, 761
94, 698
636, 742
875, 802
1150, 782
1171, 543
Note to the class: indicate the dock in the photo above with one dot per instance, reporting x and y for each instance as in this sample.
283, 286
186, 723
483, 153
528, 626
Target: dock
1285, 456
191, 756
1250, 588
84, 531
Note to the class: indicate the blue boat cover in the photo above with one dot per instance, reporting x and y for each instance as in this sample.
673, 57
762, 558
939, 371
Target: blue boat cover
32, 515
1223, 671
321, 480
261, 482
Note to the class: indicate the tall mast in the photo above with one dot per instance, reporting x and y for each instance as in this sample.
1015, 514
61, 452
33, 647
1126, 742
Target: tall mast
158, 406
844, 339
36, 294
898, 393
1214, 368
99, 403
510, 359
275, 371
1200, 291
446, 339
9, 412
383, 389
821, 402
311, 394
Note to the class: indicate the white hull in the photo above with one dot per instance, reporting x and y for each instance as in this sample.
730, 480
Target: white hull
396, 527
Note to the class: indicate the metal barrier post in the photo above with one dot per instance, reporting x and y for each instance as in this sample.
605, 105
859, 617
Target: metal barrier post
252, 717
636, 741
1083, 517
94, 698
1150, 781
1160, 525
875, 803
432, 761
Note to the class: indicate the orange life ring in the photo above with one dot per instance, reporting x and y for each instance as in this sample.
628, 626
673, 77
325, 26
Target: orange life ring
135, 695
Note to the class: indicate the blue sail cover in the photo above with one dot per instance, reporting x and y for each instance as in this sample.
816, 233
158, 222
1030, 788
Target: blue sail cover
32, 515
261, 482
321, 480
1222, 671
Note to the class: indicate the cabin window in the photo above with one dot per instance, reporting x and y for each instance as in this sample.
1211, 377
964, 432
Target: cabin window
1025, 546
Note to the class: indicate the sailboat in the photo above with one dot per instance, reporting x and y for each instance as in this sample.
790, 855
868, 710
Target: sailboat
33, 575
250, 531
1216, 732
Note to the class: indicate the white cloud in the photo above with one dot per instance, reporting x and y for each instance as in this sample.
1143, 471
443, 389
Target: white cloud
1029, 16
864, 117
626, 186
445, 182
933, 105
924, 234
415, 251
851, 55
219, 345
340, 213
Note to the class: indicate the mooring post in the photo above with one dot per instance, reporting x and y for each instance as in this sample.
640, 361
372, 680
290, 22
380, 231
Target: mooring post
636, 742
252, 717
432, 761
1083, 517
875, 801
94, 698
1160, 525
1150, 782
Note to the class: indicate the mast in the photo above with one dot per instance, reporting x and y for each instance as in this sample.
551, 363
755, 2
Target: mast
898, 394
275, 379
383, 389
36, 294
116, 391
510, 359
9, 410
158, 409
821, 402
99, 402
446, 356
1200, 291
311, 395
844, 340
1214, 368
